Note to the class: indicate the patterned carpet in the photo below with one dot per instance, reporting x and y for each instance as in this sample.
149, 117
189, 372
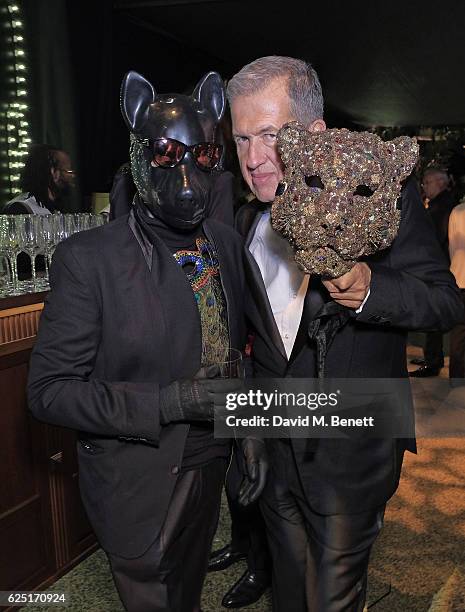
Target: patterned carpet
419, 557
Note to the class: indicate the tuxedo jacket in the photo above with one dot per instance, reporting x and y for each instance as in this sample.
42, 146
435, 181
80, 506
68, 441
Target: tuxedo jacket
411, 288
120, 322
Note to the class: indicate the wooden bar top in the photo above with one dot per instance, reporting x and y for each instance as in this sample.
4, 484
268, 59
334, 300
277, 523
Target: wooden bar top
25, 299
19, 320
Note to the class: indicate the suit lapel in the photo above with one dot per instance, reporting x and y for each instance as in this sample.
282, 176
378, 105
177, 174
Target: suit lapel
314, 300
258, 292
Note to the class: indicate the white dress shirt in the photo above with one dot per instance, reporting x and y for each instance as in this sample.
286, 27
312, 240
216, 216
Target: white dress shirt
285, 283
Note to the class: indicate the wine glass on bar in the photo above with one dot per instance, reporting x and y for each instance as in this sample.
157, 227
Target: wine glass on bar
46, 231
69, 225
5, 274
58, 234
31, 239
97, 220
11, 245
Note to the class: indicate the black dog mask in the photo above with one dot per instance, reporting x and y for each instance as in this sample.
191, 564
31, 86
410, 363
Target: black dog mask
174, 181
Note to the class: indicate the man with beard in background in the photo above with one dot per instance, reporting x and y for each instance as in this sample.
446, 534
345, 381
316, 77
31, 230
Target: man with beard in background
46, 182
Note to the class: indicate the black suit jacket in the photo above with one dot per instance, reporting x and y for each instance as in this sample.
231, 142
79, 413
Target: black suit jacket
411, 288
120, 322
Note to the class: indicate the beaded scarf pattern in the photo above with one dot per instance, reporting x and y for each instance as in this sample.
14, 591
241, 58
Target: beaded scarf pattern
204, 278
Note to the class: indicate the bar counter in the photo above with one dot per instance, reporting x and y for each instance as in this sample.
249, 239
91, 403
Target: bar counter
43, 527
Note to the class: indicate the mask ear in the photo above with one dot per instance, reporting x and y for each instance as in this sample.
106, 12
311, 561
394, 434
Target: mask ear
209, 93
404, 155
136, 96
292, 132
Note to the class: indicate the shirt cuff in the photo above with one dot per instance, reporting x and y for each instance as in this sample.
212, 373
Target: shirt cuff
360, 308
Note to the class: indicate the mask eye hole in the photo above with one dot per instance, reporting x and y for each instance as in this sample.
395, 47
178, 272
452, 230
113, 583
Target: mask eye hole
314, 181
281, 188
364, 191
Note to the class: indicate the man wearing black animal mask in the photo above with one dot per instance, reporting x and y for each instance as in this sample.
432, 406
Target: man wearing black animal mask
139, 309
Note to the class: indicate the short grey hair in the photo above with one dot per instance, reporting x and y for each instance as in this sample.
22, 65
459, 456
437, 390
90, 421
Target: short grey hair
438, 171
303, 84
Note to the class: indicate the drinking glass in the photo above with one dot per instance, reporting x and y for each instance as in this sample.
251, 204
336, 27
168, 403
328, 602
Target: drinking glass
43, 243
5, 276
10, 244
69, 225
53, 232
45, 228
231, 366
82, 221
59, 232
97, 220
31, 241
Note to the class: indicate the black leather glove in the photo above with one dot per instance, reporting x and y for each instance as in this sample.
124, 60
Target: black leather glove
196, 399
256, 469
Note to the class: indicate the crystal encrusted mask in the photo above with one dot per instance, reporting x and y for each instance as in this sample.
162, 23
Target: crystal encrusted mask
337, 201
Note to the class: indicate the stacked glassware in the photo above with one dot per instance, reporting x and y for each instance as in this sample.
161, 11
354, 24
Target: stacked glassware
36, 235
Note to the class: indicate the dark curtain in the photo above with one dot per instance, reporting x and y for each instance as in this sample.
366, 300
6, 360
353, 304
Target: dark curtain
69, 57
78, 55
170, 63
52, 103
91, 44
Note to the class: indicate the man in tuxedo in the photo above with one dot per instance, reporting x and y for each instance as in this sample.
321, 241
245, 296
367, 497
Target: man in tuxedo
324, 500
138, 310
436, 187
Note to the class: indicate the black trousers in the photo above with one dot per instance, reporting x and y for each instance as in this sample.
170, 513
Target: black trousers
320, 562
433, 353
169, 576
457, 348
248, 533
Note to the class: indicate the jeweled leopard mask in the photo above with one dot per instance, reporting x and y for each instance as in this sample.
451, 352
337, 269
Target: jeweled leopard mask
337, 201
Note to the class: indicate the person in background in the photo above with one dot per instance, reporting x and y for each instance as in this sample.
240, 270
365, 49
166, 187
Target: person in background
457, 266
440, 200
47, 179
324, 499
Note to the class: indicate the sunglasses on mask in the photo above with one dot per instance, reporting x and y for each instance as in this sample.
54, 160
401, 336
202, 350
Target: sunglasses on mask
168, 152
